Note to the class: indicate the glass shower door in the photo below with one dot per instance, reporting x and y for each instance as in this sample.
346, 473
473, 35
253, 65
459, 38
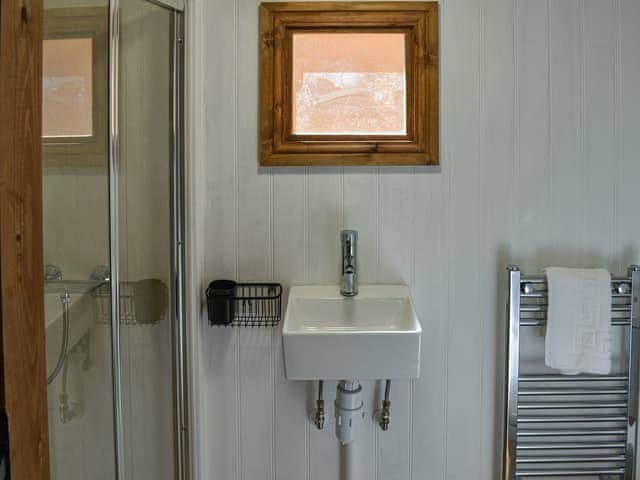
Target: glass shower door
145, 235
75, 180
112, 181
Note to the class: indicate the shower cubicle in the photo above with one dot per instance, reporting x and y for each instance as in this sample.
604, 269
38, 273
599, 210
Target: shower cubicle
113, 239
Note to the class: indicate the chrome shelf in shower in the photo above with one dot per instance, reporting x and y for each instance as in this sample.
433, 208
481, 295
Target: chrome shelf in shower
72, 286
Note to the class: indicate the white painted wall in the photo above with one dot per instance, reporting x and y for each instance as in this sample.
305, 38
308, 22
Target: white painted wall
540, 141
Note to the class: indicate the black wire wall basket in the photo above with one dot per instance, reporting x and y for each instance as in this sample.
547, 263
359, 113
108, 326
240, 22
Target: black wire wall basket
234, 304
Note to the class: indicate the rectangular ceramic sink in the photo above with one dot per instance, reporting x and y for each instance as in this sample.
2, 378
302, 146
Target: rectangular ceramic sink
374, 335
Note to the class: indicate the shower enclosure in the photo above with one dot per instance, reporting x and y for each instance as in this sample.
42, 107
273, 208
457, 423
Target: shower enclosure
113, 238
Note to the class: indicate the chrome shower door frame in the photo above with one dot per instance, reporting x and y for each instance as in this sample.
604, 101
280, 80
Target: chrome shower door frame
178, 254
179, 372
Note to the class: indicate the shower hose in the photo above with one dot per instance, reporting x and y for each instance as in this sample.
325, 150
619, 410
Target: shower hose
64, 299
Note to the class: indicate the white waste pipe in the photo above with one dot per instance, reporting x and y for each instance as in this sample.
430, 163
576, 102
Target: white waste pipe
348, 462
349, 411
349, 414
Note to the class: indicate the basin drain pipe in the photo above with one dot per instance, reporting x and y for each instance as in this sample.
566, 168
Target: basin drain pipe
349, 411
349, 463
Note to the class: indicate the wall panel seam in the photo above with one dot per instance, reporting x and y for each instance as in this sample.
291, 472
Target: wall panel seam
443, 236
236, 207
480, 71
549, 105
378, 222
414, 206
446, 228
307, 226
617, 259
583, 61
341, 173
482, 142
516, 120
272, 348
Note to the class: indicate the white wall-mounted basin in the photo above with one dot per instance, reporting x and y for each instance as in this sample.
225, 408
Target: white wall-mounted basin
374, 335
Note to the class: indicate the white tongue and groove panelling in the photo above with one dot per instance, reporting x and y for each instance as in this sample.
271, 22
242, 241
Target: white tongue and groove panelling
540, 140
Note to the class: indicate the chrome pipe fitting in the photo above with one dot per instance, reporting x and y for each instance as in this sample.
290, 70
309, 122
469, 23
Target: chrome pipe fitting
384, 416
318, 412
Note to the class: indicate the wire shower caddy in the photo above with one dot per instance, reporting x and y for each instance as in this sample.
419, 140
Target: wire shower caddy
244, 304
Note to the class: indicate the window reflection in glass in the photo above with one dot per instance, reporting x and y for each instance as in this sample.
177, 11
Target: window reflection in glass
67, 107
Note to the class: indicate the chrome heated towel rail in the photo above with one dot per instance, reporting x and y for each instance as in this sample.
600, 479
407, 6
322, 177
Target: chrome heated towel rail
570, 426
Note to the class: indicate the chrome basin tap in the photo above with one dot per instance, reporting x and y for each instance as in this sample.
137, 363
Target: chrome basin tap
349, 283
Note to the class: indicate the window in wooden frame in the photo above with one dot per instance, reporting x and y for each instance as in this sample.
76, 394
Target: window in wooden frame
76, 135
351, 83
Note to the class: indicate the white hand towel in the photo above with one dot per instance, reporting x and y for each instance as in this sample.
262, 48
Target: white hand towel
578, 337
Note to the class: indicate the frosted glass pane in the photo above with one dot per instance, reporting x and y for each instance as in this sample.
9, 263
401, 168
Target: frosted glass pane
67, 107
349, 84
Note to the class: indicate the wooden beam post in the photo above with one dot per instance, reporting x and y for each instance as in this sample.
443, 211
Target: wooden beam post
21, 255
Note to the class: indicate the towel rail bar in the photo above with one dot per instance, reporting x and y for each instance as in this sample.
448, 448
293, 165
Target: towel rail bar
573, 378
535, 446
565, 392
616, 322
542, 315
570, 406
572, 459
540, 308
542, 279
587, 421
572, 419
543, 294
570, 472
578, 432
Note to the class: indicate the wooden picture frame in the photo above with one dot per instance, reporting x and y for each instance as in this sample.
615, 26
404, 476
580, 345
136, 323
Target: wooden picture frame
82, 22
418, 21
